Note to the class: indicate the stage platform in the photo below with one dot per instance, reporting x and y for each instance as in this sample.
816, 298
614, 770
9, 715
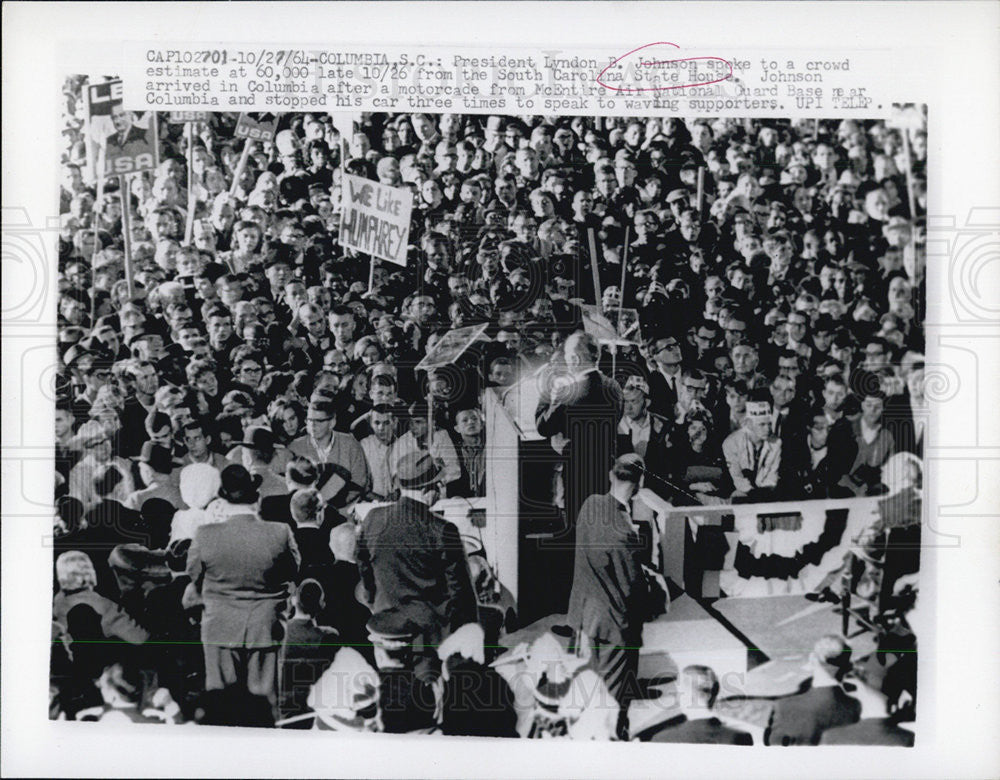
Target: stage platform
758, 647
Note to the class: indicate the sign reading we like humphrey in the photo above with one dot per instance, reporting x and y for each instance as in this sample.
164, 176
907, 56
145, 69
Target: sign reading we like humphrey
375, 218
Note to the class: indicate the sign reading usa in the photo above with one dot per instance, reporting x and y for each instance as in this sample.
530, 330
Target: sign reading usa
375, 218
128, 141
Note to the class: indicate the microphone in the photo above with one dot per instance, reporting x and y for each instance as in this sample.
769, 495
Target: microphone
669, 484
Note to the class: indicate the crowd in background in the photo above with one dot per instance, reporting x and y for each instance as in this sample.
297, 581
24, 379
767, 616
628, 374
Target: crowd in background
775, 267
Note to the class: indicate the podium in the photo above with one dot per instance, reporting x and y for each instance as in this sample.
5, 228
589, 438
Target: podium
522, 518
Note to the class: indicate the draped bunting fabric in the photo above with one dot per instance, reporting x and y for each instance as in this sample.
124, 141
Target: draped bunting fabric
791, 552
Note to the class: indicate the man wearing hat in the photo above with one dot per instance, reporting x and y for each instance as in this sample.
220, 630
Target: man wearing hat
242, 569
412, 560
752, 454
155, 467
259, 456
420, 439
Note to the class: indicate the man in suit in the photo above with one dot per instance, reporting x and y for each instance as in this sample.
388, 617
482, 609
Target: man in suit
645, 433
579, 412
128, 140
412, 560
811, 465
583, 409
698, 688
242, 569
876, 726
607, 604
107, 524
665, 378
801, 719
299, 473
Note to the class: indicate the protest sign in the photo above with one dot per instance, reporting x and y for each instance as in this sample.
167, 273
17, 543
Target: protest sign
602, 326
375, 218
127, 141
178, 117
256, 126
452, 345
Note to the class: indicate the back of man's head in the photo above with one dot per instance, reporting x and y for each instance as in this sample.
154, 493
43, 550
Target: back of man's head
301, 473
309, 597
305, 506
584, 346
701, 684
628, 468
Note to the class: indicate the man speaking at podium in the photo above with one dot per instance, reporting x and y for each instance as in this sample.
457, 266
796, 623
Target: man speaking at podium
579, 413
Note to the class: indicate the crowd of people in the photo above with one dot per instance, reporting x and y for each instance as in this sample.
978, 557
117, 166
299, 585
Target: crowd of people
226, 400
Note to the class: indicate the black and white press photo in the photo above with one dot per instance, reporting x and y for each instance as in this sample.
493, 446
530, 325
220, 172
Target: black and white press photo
539, 427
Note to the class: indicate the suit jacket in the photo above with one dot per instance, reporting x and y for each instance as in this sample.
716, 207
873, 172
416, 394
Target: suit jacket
703, 731
413, 560
307, 651
242, 568
133, 430
609, 588
663, 397
661, 455
108, 524
588, 417
870, 731
277, 509
799, 479
801, 719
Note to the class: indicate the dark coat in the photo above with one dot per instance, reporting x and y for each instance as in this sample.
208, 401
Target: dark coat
703, 731
609, 588
306, 653
801, 719
588, 417
413, 560
660, 457
242, 568
277, 509
108, 525
663, 397
799, 480
133, 430
898, 420
870, 731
